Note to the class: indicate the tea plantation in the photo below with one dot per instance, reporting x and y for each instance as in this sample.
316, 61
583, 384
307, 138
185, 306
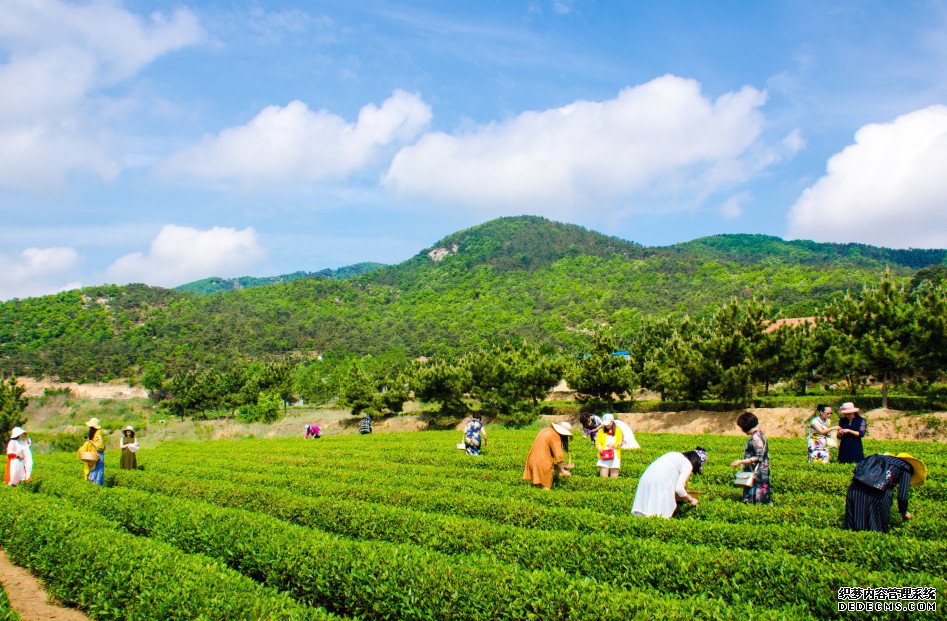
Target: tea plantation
404, 526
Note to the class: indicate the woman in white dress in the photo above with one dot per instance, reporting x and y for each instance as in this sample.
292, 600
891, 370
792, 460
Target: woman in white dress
18, 452
664, 481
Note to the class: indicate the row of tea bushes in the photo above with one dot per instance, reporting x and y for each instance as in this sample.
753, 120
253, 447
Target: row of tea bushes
381, 580
87, 561
329, 504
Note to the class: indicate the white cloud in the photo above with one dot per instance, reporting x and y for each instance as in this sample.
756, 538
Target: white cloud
181, 254
732, 208
296, 144
659, 138
37, 271
888, 188
58, 58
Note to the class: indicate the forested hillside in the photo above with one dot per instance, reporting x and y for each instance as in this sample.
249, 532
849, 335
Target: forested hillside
508, 279
215, 284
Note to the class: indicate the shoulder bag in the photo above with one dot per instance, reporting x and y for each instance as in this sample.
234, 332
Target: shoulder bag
748, 479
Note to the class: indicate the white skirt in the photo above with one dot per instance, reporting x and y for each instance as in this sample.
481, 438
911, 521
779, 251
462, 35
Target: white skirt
609, 463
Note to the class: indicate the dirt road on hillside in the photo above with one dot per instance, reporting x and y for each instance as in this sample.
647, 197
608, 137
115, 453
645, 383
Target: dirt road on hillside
97, 390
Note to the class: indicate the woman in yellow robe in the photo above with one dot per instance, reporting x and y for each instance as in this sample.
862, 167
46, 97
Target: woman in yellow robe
95, 472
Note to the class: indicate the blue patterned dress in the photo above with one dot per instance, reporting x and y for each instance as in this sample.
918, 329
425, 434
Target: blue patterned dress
473, 436
757, 449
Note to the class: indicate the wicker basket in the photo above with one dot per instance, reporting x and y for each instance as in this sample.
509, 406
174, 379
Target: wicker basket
89, 457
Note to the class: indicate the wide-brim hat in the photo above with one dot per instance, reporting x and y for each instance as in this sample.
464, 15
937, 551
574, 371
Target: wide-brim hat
608, 419
920, 468
16, 432
129, 428
564, 428
847, 408
94, 423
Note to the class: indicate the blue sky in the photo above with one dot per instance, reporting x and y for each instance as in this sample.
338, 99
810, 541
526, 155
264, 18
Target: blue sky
165, 142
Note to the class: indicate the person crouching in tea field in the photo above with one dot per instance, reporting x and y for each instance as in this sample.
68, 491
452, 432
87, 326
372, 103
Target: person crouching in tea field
852, 428
129, 445
475, 434
547, 455
869, 498
756, 460
590, 425
95, 473
664, 482
313, 431
19, 458
608, 441
817, 434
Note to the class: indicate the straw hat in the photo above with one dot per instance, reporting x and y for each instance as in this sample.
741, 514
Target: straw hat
16, 432
129, 428
563, 428
920, 469
847, 408
94, 423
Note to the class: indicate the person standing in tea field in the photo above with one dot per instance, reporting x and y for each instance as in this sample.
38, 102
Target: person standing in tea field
817, 434
365, 425
608, 441
129, 445
18, 454
852, 428
546, 455
869, 498
755, 460
664, 482
96, 473
475, 434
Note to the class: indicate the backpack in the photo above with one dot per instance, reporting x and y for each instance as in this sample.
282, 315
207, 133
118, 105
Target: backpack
874, 472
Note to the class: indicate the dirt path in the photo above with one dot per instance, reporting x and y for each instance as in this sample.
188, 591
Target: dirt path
28, 598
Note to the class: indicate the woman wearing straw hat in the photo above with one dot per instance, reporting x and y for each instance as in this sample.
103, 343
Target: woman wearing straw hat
852, 428
129, 445
869, 498
96, 473
18, 453
546, 455
664, 482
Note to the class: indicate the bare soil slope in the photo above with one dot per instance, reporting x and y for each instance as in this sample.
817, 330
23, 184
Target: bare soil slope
789, 423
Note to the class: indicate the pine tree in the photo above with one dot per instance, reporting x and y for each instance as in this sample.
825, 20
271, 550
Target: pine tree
12, 404
599, 376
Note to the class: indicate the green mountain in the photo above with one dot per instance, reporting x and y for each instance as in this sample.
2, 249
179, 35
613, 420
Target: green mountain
215, 284
507, 279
